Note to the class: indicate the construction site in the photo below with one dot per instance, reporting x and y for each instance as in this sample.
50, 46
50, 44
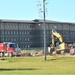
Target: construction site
55, 48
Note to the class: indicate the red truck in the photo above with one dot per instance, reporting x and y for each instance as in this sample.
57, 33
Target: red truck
9, 49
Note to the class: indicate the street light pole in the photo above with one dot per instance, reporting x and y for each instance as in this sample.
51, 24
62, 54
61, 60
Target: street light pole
43, 10
44, 30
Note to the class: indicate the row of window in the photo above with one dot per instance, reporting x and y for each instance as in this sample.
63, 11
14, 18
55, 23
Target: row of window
15, 32
11, 25
27, 39
25, 46
34, 32
23, 32
33, 25
16, 39
52, 26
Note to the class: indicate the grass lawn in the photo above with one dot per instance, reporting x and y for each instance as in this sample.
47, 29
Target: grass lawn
37, 66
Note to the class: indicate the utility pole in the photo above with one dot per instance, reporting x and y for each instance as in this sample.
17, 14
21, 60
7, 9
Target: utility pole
44, 29
43, 10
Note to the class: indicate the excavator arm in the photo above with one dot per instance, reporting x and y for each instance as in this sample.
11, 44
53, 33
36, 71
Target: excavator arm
56, 34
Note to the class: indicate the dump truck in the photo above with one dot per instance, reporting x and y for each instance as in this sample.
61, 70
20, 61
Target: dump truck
9, 49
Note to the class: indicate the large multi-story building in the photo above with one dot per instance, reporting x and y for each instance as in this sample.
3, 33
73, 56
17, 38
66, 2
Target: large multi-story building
30, 33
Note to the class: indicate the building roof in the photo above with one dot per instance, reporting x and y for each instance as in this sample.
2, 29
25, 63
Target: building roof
33, 21
7, 20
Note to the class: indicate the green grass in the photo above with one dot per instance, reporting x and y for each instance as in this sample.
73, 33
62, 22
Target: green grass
37, 66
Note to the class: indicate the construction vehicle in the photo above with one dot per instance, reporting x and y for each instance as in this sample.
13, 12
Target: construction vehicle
61, 47
9, 49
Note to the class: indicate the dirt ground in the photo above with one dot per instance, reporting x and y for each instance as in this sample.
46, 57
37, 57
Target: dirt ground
66, 54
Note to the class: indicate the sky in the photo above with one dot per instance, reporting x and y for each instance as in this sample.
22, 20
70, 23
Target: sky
57, 10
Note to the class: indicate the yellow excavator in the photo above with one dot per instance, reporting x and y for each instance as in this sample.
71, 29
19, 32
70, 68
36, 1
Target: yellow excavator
62, 46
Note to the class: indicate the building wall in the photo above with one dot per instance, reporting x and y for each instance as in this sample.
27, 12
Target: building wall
31, 34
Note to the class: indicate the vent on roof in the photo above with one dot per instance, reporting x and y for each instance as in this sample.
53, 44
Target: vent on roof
36, 20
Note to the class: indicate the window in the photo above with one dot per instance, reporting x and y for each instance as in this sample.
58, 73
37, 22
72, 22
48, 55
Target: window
16, 26
25, 26
28, 46
25, 39
67, 32
2, 39
13, 45
11, 39
2, 26
5, 32
31, 26
25, 32
22, 32
28, 39
20, 39
22, 26
11, 32
67, 38
47, 32
6, 39
50, 32
2, 32
8, 32
28, 32
17, 32
14, 32
8, 26
14, 39
11, 26
55, 27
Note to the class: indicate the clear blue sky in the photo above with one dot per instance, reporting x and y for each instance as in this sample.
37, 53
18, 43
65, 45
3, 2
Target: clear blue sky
58, 10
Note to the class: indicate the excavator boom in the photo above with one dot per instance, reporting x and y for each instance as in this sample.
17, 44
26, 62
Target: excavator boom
56, 34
